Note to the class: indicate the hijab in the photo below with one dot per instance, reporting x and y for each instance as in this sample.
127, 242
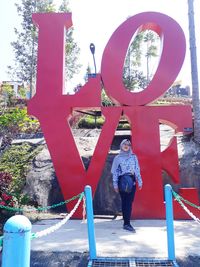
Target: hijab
122, 155
125, 154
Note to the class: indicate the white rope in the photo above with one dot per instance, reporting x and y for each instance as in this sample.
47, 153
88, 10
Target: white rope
84, 208
188, 211
59, 224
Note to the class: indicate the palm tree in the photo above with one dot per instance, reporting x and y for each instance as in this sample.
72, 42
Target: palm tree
194, 72
151, 50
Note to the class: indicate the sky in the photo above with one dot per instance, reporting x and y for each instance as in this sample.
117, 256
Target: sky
94, 21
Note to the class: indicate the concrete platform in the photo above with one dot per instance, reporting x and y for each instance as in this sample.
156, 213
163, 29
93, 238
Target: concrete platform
150, 239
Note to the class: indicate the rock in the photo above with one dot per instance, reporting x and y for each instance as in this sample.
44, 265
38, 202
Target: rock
105, 192
43, 188
189, 159
41, 182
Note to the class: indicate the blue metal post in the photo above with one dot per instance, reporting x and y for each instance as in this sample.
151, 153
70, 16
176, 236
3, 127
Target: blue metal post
90, 223
16, 242
170, 222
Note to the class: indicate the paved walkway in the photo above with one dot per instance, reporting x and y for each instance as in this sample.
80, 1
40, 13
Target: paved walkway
150, 239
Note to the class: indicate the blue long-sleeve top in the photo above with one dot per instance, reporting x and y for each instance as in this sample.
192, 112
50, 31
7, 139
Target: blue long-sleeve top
122, 165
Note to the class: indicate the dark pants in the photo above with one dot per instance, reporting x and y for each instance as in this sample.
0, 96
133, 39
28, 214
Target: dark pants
127, 200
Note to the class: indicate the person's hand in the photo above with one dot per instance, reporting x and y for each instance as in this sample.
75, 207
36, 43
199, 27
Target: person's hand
140, 187
116, 190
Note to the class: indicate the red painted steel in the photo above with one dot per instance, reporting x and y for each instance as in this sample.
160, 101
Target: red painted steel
190, 194
171, 58
54, 109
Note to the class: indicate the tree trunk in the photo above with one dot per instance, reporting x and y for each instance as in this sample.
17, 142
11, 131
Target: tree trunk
194, 72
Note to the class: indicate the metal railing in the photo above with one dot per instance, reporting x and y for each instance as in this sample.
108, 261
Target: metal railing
17, 232
16, 240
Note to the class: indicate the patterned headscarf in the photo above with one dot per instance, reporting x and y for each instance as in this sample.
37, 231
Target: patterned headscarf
122, 155
127, 153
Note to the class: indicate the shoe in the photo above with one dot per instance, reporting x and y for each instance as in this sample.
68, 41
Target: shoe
129, 228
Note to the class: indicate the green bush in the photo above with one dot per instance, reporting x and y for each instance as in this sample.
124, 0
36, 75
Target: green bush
88, 122
8, 94
6, 199
126, 126
106, 101
17, 120
16, 161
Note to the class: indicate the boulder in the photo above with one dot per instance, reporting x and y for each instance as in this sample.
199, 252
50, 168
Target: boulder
41, 183
43, 188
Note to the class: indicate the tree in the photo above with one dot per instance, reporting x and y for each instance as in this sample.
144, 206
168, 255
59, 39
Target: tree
105, 100
25, 47
6, 95
151, 49
88, 73
133, 76
72, 50
194, 72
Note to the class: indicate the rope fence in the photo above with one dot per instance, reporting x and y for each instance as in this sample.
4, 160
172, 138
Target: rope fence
55, 227
18, 236
1, 242
59, 224
81, 197
180, 200
177, 196
9, 208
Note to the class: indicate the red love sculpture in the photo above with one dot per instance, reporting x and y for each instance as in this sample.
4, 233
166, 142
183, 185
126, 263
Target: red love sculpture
53, 108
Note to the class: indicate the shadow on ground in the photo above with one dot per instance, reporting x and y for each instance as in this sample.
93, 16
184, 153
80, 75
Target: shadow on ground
77, 259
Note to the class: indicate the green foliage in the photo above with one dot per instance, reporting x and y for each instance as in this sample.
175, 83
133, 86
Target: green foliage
141, 50
5, 180
124, 126
22, 92
7, 94
17, 121
134, 81
26, 45
6, 199
106, 101
72, 50
16, 161
89, 122
166, 101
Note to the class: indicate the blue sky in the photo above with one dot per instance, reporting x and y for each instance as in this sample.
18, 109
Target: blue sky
94, 22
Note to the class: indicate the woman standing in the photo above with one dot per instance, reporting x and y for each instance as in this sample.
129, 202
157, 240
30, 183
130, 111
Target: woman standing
126, 163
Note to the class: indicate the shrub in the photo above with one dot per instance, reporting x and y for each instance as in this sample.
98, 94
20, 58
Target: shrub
5, 180
8, 94
6, 199
126, 126
16, 161
106, 101
88, 122
17, 120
